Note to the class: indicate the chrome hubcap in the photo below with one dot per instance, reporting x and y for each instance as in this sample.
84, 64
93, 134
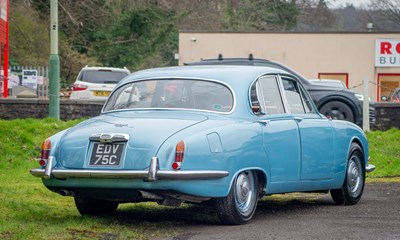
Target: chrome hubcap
244, 192
354, 178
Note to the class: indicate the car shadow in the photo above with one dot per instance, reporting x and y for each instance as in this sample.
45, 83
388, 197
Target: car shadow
186, 214
194, 214
292, 203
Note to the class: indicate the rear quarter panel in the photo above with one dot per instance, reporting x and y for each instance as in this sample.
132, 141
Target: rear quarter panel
218, 144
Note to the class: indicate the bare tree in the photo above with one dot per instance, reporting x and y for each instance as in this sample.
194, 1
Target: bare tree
384, 14
387, 9
315, 15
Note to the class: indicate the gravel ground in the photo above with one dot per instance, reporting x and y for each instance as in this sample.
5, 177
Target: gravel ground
309, 216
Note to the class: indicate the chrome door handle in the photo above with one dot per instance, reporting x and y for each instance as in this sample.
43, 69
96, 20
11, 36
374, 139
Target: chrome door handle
264, 122
298, 119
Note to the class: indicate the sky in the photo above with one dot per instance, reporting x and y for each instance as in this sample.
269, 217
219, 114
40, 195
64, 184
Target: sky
356, 3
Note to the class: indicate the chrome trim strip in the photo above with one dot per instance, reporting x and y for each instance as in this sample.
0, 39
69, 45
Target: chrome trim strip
369, 168
153, 168
184, 175
130, 174
109, 137
49, 166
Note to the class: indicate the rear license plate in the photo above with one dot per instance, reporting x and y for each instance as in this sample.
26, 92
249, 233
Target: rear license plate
106, 154
101, 93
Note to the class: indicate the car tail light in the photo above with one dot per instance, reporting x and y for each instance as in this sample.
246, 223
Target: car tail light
46, 146
79, 87
179, 154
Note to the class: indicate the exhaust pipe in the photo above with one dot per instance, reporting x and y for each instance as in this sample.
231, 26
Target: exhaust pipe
67, 193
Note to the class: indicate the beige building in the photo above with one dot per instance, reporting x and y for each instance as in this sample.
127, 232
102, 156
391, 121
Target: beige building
350, 57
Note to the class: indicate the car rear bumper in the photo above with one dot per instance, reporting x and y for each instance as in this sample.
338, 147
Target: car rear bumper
152, 174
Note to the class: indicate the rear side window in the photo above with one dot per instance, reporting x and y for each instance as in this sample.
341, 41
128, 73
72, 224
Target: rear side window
297, 99
269, 90
101, 76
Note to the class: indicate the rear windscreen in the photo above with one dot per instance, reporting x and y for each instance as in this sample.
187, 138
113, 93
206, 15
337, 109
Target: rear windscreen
101, 76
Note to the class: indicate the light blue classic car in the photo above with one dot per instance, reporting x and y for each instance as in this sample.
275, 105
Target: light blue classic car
230, 134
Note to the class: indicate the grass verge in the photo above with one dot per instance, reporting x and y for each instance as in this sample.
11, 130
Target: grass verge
384, 150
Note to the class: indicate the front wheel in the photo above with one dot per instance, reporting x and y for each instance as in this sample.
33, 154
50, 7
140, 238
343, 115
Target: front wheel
240, 204
90, 206
353, 185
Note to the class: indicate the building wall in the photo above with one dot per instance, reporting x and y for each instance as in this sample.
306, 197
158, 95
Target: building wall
308, 53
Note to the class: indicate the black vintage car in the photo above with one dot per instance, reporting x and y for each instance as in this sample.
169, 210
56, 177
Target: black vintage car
333, 102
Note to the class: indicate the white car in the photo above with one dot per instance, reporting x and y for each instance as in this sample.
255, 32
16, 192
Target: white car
96, 83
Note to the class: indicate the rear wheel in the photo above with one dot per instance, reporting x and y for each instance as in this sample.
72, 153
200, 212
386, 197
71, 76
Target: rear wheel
240, 204
90, 206
337, 110
353, 185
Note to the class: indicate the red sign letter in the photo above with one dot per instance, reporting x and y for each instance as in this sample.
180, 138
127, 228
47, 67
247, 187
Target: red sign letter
385, 48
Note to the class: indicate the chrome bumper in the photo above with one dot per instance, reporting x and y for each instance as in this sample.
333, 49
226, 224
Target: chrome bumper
369, 168
153, 174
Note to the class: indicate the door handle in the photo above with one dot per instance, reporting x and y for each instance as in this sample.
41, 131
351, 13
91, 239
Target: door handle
298, 119
264, 122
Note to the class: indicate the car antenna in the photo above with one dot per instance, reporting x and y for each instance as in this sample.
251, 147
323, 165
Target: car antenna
251, 58
220, 57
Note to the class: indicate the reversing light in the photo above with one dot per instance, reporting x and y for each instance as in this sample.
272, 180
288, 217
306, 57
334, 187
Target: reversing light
46, 146
179, 154
79, 87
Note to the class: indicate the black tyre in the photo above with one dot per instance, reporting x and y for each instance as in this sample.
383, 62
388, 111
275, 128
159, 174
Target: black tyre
353, 185
240, 204
89, 206
337, 110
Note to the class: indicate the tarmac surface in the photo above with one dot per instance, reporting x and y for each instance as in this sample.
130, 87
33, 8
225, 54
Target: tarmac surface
309, 216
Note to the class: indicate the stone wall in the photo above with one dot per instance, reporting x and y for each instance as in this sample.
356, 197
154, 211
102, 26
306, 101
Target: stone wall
387, 113
36, 108
387, 116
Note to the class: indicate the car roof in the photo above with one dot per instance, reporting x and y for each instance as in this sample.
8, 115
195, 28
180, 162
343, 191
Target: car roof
250, 61
325, 80
238, 78
226, 73
247, 61
106, 68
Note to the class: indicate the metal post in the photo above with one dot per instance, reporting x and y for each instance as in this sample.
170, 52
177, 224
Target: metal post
54, 62
6, 48
366, 106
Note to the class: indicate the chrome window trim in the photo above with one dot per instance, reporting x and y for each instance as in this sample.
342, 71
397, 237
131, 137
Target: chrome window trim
283, 95
174, 78
261, 95
301, 88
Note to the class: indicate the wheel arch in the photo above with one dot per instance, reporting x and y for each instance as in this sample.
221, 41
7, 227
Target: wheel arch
359, 143
261, 177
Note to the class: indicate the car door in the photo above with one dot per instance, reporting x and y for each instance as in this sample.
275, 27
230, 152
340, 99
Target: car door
316, 133
281, 138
